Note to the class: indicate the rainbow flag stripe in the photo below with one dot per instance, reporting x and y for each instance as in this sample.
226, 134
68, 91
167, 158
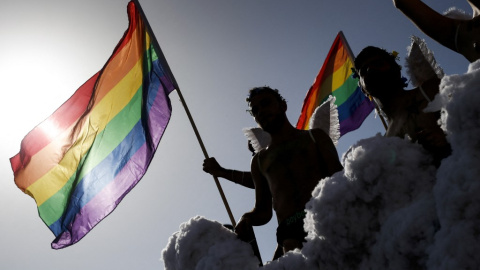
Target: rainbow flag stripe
335, 78
80, 162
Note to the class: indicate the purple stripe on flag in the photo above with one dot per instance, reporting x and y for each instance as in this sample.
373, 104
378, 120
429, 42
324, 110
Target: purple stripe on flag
356, 119
105, 201
161, 109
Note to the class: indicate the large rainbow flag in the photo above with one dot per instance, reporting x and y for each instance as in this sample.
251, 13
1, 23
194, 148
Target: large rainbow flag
335, 78
80, 162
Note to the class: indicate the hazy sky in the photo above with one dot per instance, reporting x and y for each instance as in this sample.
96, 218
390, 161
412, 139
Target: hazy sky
217, 50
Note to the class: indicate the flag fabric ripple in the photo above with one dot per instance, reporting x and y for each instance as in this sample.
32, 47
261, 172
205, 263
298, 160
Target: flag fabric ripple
79, 163
335, 78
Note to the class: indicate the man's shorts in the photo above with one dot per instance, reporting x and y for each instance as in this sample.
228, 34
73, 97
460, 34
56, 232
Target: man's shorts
292, 228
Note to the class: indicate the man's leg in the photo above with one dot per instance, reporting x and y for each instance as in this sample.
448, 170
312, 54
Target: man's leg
291, 244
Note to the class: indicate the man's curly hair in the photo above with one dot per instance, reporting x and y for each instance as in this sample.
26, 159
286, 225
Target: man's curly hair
264, 89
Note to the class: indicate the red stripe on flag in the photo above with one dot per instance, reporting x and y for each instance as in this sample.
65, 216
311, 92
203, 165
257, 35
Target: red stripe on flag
62, 118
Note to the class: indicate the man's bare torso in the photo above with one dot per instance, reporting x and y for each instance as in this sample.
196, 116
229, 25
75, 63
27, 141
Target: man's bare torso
292, 169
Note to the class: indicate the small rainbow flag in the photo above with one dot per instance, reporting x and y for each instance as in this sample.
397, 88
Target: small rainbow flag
335, 78
80, 162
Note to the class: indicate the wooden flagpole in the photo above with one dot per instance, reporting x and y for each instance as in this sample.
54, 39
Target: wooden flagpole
165, 65
197, 134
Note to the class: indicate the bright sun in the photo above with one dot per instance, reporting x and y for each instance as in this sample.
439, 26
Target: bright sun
35, 84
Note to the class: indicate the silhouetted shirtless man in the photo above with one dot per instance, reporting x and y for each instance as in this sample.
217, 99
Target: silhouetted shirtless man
287, 171
380, 78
